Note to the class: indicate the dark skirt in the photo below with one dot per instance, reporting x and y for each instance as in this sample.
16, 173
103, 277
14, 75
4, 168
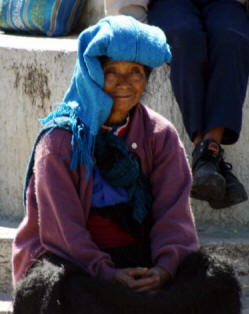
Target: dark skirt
202, 285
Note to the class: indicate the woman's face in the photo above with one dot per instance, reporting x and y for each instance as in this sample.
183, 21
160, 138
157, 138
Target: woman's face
124, 82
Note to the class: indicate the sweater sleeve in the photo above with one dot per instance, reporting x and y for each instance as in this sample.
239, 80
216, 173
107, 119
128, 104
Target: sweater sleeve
173, 235
62, 198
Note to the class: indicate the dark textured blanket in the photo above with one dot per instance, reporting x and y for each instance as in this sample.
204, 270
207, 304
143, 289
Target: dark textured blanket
203, 285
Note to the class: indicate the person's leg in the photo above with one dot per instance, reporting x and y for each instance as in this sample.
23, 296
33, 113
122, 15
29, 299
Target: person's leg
181, 20
215, 133
207, 285
227, 26
40, 291
182, 24
54, 285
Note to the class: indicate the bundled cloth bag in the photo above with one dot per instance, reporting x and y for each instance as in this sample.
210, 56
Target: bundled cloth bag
44, 17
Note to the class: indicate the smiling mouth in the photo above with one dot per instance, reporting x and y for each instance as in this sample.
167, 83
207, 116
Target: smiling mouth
122, 96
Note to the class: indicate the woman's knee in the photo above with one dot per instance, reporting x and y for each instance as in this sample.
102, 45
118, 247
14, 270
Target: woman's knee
34, 291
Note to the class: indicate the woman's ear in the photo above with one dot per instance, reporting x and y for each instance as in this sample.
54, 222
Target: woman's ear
147, 71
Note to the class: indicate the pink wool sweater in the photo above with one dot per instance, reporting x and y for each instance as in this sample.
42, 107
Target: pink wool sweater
59, 200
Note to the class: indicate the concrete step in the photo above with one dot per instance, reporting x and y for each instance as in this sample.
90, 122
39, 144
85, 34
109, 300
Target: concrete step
229, 243
7, 233
6, 307
5, 304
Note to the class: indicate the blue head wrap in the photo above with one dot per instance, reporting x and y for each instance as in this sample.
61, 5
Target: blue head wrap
85, 103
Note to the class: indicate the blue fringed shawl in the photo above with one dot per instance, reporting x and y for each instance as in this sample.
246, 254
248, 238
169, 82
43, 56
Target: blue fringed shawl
85, 103
119, 168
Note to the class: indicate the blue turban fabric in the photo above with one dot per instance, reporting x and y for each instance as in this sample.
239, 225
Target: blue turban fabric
85, 103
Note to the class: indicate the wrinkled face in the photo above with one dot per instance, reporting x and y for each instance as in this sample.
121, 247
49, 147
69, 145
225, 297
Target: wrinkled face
124, 82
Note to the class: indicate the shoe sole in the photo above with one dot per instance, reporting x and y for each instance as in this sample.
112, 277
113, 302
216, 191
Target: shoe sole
208, 188
230, 199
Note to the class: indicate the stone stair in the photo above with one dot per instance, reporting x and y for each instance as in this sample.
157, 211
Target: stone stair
229, 243
5, 304
7, 233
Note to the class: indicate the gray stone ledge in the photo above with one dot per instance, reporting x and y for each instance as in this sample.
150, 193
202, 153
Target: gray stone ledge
5, 265
34, 43
5, 307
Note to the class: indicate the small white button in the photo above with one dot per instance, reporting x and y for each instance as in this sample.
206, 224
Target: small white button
134, 145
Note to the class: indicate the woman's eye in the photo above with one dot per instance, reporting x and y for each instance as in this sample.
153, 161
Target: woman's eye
136, 75
109, 73
136, 70
109, 70
110, 76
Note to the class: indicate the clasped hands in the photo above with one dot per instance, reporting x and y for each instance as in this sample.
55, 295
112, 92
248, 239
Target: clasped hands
142, 279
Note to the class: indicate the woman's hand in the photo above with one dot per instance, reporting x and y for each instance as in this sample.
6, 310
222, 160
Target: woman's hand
160, 277
132, 277
142, 279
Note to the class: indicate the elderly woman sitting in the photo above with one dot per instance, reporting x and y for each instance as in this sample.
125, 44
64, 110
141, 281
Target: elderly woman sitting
108, 227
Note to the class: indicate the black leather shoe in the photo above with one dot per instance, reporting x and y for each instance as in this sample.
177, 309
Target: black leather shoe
235, 191
208, 182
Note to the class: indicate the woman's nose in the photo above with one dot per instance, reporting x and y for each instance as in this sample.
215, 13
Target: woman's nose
123, 79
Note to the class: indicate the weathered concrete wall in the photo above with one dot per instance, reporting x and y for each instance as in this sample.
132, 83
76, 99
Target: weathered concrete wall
93, 10
35, 73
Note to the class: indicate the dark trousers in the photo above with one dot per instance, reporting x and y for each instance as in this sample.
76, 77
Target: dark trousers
210, 65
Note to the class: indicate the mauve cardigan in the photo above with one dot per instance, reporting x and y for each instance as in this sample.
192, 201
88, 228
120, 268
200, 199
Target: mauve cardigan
59, 200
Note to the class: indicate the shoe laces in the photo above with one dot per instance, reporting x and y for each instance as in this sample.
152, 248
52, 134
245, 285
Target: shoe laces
213, 147
212, 151
207, 150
